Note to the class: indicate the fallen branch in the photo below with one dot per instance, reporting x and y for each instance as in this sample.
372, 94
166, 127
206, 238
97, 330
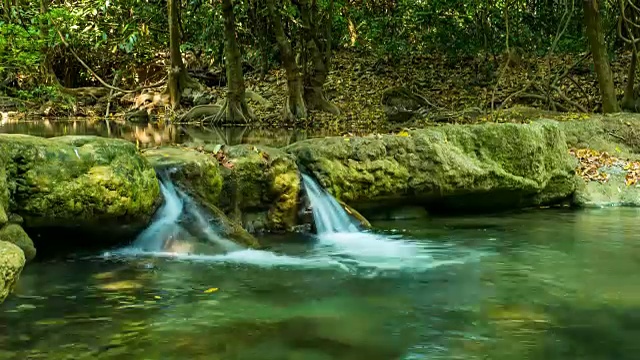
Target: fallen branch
611, 133
543, 98
106, 115
569, 101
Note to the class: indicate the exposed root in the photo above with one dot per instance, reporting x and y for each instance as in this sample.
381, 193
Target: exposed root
327, 106
201, 111
294, 111
232, 112
252, 95
316, 100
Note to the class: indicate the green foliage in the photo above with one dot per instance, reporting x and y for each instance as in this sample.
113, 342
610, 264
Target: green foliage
130, 35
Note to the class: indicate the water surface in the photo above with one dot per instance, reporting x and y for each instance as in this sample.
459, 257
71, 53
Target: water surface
534, 285
158, 134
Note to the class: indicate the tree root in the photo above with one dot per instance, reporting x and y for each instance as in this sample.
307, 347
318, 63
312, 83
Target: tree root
252, 95
232, 112
201, 111
294, 111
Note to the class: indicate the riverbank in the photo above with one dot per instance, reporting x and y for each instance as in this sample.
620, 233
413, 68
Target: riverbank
462, 90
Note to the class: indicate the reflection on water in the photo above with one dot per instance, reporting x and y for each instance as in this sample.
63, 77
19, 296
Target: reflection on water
156, 134
550, 285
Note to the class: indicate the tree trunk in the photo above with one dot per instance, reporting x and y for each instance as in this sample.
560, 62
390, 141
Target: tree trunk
178, 77
317, 76
600, 58
47, 66
295, 107
629, 98
235, 108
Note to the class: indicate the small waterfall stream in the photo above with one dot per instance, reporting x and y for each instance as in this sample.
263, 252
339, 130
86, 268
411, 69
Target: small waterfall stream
339, 237
168, 231
165, 222
328, 215
340, 242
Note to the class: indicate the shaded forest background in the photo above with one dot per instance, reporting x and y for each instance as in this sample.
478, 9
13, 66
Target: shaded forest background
318, 61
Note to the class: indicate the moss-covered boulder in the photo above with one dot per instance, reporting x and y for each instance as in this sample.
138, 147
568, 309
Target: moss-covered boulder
193, 170
261, 188
76, 181
199, 174
11, 264
14, 234
452, 167
615, 192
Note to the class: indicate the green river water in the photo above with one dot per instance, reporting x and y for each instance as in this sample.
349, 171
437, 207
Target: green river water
533, 285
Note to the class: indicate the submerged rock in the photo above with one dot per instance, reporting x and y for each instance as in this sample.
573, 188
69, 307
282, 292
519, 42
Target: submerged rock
614, 192
459, 168
11, 264
14, 234
83, 182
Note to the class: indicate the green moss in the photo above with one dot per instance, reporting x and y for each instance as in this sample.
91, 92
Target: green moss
72, 180
196, 171
612, 193
230, 229
262, 188
11, 264
475, 166
14, 234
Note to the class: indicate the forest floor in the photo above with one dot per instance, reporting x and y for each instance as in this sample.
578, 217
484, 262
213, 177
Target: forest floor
460, 90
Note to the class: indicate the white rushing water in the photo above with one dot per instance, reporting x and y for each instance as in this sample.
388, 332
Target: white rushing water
211, 235
166, 233
328, 215
339, 241
165, 222
340, 238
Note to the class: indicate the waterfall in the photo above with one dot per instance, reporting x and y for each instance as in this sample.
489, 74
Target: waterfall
328, 215
339, 237
202, 223
168, 230
165, 223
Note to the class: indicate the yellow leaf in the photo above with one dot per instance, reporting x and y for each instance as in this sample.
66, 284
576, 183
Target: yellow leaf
210, 290
403, 133
157, 297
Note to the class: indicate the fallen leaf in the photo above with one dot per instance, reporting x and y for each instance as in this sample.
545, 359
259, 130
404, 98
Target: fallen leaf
210, 290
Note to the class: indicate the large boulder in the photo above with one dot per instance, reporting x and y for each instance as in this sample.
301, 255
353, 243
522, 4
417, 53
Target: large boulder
11, 264
198, 173
80, 182
255, 186
460, 168
14, 234
261, 188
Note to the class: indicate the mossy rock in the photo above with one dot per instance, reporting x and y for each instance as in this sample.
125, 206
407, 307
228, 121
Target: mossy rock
4, 218
77, 181
264, 185
614, 192
230, 229
198, 174
452, 167
196, 171
11, 263
14, 234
